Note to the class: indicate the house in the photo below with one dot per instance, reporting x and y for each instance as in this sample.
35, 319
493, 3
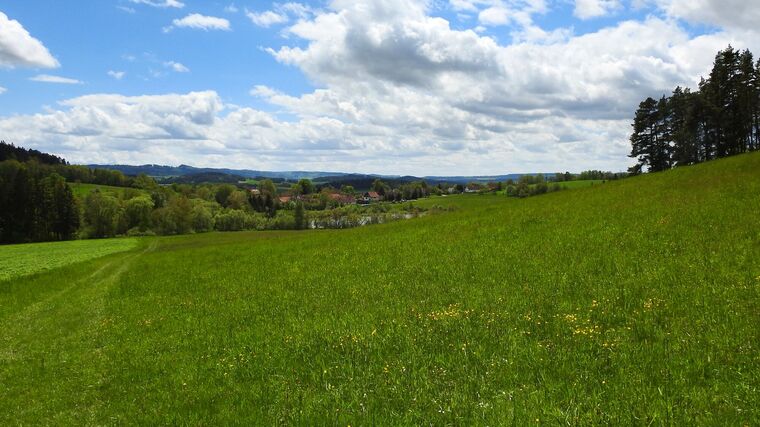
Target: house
285, 199
342, 199
255, 192
369, 197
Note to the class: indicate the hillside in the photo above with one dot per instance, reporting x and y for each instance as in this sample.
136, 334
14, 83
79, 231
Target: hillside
160, 171
630, 302
175, 174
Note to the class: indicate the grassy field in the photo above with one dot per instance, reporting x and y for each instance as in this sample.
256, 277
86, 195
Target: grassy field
22, 260
580, 184
636, 302
82, 190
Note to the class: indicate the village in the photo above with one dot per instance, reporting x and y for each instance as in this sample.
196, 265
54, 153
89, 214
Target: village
327, 197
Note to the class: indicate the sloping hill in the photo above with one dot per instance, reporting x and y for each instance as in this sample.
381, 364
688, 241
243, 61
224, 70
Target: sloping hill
630, 302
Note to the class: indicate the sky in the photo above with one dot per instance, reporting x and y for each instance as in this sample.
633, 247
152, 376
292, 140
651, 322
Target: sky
420, 87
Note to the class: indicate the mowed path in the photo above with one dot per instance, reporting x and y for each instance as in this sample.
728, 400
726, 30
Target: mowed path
61, 335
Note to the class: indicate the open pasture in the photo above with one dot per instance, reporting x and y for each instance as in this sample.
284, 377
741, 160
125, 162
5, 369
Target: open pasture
635, 302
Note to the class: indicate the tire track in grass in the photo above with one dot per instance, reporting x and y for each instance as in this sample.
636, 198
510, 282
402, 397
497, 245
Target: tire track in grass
51, 352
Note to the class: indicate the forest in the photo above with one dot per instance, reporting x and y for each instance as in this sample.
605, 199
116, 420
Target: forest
720, 119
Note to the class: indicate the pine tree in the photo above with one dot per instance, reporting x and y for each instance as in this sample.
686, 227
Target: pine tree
300, 216
643, 140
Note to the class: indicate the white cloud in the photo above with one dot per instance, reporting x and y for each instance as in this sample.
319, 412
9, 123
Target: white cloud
3, 90
401, 91
19, 49
463, 5
161, 3
298, 10
231, 8
267, 19
176, 67
495, 15
46, 78
200, 22
118, 75
727, 14
281, 14
128, 10
586, 9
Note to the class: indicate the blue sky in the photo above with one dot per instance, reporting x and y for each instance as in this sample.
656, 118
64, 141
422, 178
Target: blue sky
395, 86
123, 36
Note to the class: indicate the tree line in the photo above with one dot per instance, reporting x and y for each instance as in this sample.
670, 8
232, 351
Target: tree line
720, 119
35, 205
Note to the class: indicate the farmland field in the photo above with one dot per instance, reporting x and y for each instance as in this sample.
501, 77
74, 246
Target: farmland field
635, 302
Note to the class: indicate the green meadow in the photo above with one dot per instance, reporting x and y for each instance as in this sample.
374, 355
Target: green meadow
22, 260
82, 190
635, 302
580, 184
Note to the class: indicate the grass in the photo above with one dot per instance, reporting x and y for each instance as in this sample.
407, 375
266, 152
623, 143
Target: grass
635, 302
22, 260
580, 184
82, 190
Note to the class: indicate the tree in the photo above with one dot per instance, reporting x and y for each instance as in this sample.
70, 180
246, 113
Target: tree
300, 216
232, 220
379, 187
237, 200
305, 186
266, 186
202, 220
721, 119
223, 193
137, 211
64, 220
101, 214
180, 210
646, 143
145, 182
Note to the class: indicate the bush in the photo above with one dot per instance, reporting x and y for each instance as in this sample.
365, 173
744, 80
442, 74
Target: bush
202, 220
233, 220
136, 232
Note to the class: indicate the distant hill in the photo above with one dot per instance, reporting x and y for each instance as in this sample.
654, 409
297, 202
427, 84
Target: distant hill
159, 171
335, 179
203, 178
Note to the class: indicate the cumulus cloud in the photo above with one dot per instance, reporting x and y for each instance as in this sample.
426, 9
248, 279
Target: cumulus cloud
586, 9
394, 68
727, 14
267, 18
401, 91
19, 49
46, 78
282, 13
197, 21
161, 3
176, 67
3, 90
118, 75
